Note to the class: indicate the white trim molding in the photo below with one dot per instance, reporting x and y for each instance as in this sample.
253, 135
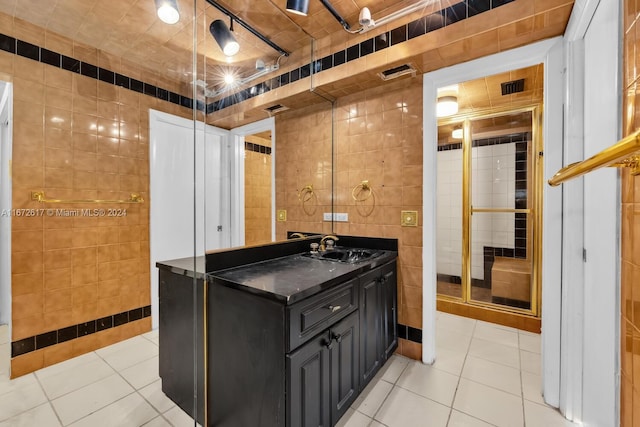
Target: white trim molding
550, 53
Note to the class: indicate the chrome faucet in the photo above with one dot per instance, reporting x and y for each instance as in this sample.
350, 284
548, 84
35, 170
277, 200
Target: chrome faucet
328, 236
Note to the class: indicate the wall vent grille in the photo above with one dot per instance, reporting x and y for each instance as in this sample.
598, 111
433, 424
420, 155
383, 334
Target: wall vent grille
276, 108
514, 86
396, 72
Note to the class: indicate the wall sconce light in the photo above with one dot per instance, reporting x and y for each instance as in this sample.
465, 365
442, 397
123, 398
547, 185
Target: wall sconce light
299, 7
224, 37
168, 11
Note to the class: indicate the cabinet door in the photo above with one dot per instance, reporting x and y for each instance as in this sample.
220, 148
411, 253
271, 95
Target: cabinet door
308, 403
388, 283
344, 365
370, 327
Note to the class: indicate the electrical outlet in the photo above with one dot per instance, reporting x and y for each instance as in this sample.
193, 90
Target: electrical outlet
338, 217
341, 217
282, 215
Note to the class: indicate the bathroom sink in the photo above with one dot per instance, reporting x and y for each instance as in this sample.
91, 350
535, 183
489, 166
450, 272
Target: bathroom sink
346, 255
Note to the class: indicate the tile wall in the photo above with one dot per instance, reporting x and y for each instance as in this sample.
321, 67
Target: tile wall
78, 282
493, 187
303, 154
257, 190
630, 232
378, 137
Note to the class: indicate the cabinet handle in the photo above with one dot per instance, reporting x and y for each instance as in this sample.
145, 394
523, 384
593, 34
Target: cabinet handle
327, 343
337, 337
334, 308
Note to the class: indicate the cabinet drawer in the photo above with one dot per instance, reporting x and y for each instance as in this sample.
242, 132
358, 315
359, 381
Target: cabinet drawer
313, 315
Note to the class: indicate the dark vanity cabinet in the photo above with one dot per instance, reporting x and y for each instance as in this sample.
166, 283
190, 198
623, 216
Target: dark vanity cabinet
296, 356
378, 320
322, 372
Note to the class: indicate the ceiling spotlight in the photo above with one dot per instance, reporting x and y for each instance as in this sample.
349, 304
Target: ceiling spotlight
365, 18
229, 79
224, 37
168, 11
299, 7
457, 133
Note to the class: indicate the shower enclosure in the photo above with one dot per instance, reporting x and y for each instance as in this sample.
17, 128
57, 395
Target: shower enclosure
488, 209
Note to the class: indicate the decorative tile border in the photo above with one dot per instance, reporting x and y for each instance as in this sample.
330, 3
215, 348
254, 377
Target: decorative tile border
37, 342
423, 25
49, 57
409, 333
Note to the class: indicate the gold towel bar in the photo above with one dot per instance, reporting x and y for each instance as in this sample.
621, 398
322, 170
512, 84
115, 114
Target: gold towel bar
38, 196
626, 153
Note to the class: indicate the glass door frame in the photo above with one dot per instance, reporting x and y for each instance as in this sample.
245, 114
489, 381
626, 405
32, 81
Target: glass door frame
534, 209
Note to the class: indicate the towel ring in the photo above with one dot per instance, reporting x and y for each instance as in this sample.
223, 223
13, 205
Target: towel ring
363, 187
306, 193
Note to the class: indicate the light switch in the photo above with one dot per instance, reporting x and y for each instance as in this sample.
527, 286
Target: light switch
409, 219
282, 215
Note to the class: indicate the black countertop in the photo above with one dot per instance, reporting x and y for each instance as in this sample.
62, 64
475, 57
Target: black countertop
185, 266
292, 278
279, 271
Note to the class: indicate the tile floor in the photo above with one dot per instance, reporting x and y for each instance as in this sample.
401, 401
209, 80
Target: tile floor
485, 375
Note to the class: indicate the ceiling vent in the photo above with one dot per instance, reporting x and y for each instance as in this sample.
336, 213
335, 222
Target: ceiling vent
396, 72
277, 108
514, 86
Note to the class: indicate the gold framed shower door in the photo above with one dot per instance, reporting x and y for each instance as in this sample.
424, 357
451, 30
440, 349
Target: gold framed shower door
533, 210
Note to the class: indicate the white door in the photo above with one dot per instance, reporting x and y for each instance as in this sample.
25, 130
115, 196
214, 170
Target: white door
187, 194
5, 202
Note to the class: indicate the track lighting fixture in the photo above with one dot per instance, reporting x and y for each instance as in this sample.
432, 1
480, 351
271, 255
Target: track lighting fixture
168, 11
299, 7
224, 37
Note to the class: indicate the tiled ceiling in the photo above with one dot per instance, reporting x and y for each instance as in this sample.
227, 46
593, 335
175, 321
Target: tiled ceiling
131, 29
485, 95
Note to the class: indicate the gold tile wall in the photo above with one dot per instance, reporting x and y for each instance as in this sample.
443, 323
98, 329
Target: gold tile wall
77, 138
378, 137
630, 230
257, 193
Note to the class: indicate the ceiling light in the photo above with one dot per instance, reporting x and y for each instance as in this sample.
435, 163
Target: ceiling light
365, 18
299, 7
229, 78
447, 106
224, 38
457, 133
168, 11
